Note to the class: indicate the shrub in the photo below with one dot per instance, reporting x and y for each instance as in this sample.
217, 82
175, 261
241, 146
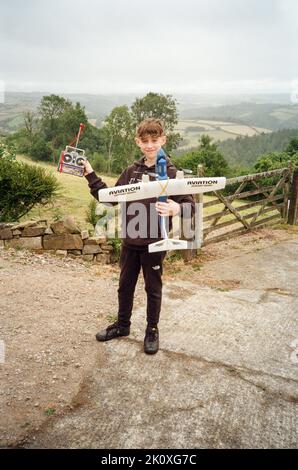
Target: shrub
91, 216
22, 187
99, 162
41, 150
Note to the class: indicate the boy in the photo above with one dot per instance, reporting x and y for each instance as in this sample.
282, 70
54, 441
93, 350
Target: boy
150, 138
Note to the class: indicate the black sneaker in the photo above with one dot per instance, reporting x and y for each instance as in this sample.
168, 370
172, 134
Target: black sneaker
151, 340
112, 331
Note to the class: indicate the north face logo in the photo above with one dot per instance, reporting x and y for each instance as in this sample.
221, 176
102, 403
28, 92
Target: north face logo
156, 267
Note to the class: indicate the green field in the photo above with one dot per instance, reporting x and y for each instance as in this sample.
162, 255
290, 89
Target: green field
73, 198
217, 130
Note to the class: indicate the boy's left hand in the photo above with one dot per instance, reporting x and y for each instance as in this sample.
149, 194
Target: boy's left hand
169, 208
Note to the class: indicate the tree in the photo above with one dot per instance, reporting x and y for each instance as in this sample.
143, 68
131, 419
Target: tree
118, 132
161, 107
275, 160
30, 122
208, 155
92, 140
40, 149
51, 109
59, 121
292, 148
45, 134
205, 143
22, 186
24, 137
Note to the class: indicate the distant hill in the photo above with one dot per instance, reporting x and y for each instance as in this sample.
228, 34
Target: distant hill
244, 151
192, 130
272, 116
97, 106
253, 110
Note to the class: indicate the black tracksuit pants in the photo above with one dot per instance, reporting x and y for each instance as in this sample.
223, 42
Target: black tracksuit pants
131, 261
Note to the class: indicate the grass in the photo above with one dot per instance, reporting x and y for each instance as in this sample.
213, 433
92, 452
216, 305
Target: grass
75, 196
197, 267
111, 318
50, 411
73, 199
287, 227
236, 203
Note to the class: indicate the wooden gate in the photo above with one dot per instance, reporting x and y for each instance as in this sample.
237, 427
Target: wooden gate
238, 213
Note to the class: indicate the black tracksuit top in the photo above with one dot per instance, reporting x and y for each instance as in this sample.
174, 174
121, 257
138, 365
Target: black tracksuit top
131, 175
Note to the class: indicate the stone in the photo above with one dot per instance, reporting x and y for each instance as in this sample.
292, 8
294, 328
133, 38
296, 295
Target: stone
102, 239
107, 247
74, 252
84, 234
30, 243
65, 225
5, 233
70, 224
29, 223
94, 241
17, 232
88, 257
91, 249
48, 231
66, 241
58, 227
33, 231
1, 244
103, 258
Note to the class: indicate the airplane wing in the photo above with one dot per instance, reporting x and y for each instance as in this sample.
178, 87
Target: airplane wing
169, 187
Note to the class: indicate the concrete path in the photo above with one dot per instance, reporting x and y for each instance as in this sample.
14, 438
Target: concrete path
226, 375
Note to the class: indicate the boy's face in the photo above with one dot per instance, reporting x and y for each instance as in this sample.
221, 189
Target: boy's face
150, 145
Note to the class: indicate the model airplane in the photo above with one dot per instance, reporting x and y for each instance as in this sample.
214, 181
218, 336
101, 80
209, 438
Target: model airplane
161, 189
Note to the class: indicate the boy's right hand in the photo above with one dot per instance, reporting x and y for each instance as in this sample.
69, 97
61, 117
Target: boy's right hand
87, 168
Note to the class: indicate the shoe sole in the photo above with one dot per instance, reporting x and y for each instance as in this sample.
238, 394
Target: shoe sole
151, 352
109, 339
147, 351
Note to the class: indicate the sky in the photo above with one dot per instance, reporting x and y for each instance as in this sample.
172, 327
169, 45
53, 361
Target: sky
136, 46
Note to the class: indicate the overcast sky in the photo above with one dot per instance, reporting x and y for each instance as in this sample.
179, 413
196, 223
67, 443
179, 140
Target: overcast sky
119, 46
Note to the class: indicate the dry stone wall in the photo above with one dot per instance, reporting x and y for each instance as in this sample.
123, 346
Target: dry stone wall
61, 237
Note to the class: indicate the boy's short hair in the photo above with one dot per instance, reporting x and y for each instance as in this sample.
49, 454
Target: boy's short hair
150, 126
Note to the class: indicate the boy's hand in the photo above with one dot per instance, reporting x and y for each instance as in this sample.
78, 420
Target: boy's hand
169, 208
87, 168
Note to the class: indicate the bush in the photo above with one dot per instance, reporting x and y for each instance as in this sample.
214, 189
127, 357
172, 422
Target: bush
91, 216
20, 140
22, 187
275, 160
207, 155
99, 162
41, 150
7, 151
116, 243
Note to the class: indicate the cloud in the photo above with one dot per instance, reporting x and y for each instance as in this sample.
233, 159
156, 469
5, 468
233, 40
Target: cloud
125, 46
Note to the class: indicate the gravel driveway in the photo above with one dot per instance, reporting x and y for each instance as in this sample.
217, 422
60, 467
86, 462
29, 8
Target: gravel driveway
225, 376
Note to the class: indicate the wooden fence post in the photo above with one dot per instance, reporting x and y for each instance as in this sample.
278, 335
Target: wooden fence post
199, 212
286, 192
293, 209
198, 219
